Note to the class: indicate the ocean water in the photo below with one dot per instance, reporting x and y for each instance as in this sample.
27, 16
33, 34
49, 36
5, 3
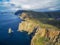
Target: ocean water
9, 20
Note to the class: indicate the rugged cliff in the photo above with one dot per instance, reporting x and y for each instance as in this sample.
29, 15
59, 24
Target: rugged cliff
47, 33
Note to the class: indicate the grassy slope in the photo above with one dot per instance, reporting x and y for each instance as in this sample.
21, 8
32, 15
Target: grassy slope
45, 18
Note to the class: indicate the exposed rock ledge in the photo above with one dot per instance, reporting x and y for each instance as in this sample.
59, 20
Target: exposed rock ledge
26, 25
53, 36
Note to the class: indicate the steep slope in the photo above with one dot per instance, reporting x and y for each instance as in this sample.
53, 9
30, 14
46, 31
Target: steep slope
45, 24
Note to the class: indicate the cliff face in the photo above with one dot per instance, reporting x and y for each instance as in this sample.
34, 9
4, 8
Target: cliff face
45, 34
27, 24
46, 37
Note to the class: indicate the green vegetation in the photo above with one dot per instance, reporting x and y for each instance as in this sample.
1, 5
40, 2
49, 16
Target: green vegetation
40, 40
44, 25
49, 18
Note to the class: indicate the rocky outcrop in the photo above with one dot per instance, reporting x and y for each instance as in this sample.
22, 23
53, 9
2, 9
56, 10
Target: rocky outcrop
50, 37
41, 35
27, 25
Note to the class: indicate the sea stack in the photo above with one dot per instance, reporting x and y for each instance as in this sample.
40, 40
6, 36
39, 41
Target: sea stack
10, 31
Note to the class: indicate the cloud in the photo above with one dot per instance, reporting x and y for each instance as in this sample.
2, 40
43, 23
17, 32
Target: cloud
33, 4
36, 4
7, 6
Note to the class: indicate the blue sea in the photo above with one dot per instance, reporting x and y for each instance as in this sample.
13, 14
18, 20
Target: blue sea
10, 20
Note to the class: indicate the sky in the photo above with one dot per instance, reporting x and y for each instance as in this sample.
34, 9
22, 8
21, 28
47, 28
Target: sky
37, 5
